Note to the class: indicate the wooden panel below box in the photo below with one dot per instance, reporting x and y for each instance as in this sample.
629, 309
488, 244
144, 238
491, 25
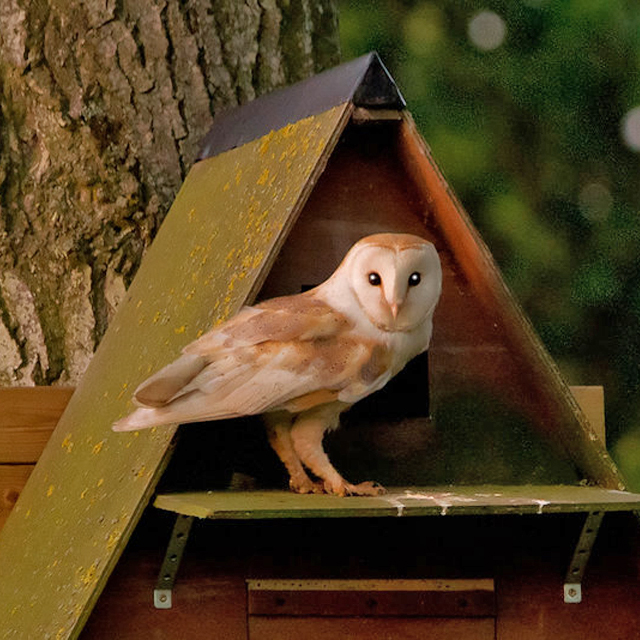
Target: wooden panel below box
372, 598
527, 556
270, 628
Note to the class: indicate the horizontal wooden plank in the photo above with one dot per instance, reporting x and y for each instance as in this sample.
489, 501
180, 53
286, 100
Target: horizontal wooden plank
409, 501
28, 416
13, 477
426, 598
422, 584
268, 628
364, 115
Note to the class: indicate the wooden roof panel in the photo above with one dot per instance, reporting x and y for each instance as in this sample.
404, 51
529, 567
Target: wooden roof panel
364, 81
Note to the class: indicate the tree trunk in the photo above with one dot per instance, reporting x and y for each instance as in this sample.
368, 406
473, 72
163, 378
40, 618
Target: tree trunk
103, 104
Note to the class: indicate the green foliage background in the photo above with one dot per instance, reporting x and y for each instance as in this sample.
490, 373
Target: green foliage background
529, 136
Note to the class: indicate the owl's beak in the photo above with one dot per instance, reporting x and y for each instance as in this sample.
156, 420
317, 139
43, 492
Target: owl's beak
394, 300
394, 295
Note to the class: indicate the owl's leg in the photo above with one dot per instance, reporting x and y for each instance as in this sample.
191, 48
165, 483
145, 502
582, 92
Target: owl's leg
279, 434
307, 434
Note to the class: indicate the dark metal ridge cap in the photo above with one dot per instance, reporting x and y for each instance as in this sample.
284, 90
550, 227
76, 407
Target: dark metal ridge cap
364, 81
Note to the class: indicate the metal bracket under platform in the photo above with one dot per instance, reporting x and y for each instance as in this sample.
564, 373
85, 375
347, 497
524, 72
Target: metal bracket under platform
575, 573
162, 594
403, 502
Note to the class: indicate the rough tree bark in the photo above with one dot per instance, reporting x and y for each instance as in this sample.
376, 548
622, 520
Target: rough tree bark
102, 106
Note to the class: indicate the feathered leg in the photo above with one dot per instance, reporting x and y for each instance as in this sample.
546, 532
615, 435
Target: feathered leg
279, 434
307, 434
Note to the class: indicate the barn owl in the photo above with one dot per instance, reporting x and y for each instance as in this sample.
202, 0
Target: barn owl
301, 360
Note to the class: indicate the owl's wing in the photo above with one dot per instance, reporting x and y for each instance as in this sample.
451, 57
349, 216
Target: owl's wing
280, 319
292, 353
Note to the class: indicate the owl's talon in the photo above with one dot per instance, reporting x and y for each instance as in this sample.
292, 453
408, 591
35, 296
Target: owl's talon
368, 488
318, 488
343, 489
305, 485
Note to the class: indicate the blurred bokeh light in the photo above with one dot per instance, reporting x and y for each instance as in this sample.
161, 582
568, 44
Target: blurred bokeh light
631, 129
487, 30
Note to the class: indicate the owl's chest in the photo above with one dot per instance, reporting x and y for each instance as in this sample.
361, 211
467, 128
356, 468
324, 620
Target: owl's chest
404, 346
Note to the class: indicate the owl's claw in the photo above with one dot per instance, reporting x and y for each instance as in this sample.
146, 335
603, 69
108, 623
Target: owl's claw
368, 488
306, 485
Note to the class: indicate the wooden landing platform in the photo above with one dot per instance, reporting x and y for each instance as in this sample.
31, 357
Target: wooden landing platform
404, 501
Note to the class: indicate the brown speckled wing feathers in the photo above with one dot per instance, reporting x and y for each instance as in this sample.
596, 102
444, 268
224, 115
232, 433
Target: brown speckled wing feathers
291, 353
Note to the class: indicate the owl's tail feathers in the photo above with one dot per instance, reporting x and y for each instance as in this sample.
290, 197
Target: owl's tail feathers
142, 418
169, 382
156, 396
194, 406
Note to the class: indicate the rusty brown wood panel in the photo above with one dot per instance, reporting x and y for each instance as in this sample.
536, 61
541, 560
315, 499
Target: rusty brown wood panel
269, 628
206, 605
531, 606
528, 564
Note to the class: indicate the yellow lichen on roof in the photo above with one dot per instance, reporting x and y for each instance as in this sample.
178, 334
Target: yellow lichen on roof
67, 443
265, 142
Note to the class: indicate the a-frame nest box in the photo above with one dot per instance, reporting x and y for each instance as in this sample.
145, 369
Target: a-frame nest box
283, 187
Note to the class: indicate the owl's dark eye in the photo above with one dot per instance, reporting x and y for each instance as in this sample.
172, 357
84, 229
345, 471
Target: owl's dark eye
374, 279
414, 279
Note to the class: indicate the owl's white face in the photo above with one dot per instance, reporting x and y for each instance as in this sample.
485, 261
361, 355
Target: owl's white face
396, 278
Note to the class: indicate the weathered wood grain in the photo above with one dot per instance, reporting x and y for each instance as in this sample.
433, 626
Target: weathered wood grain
591, 401
28, 416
